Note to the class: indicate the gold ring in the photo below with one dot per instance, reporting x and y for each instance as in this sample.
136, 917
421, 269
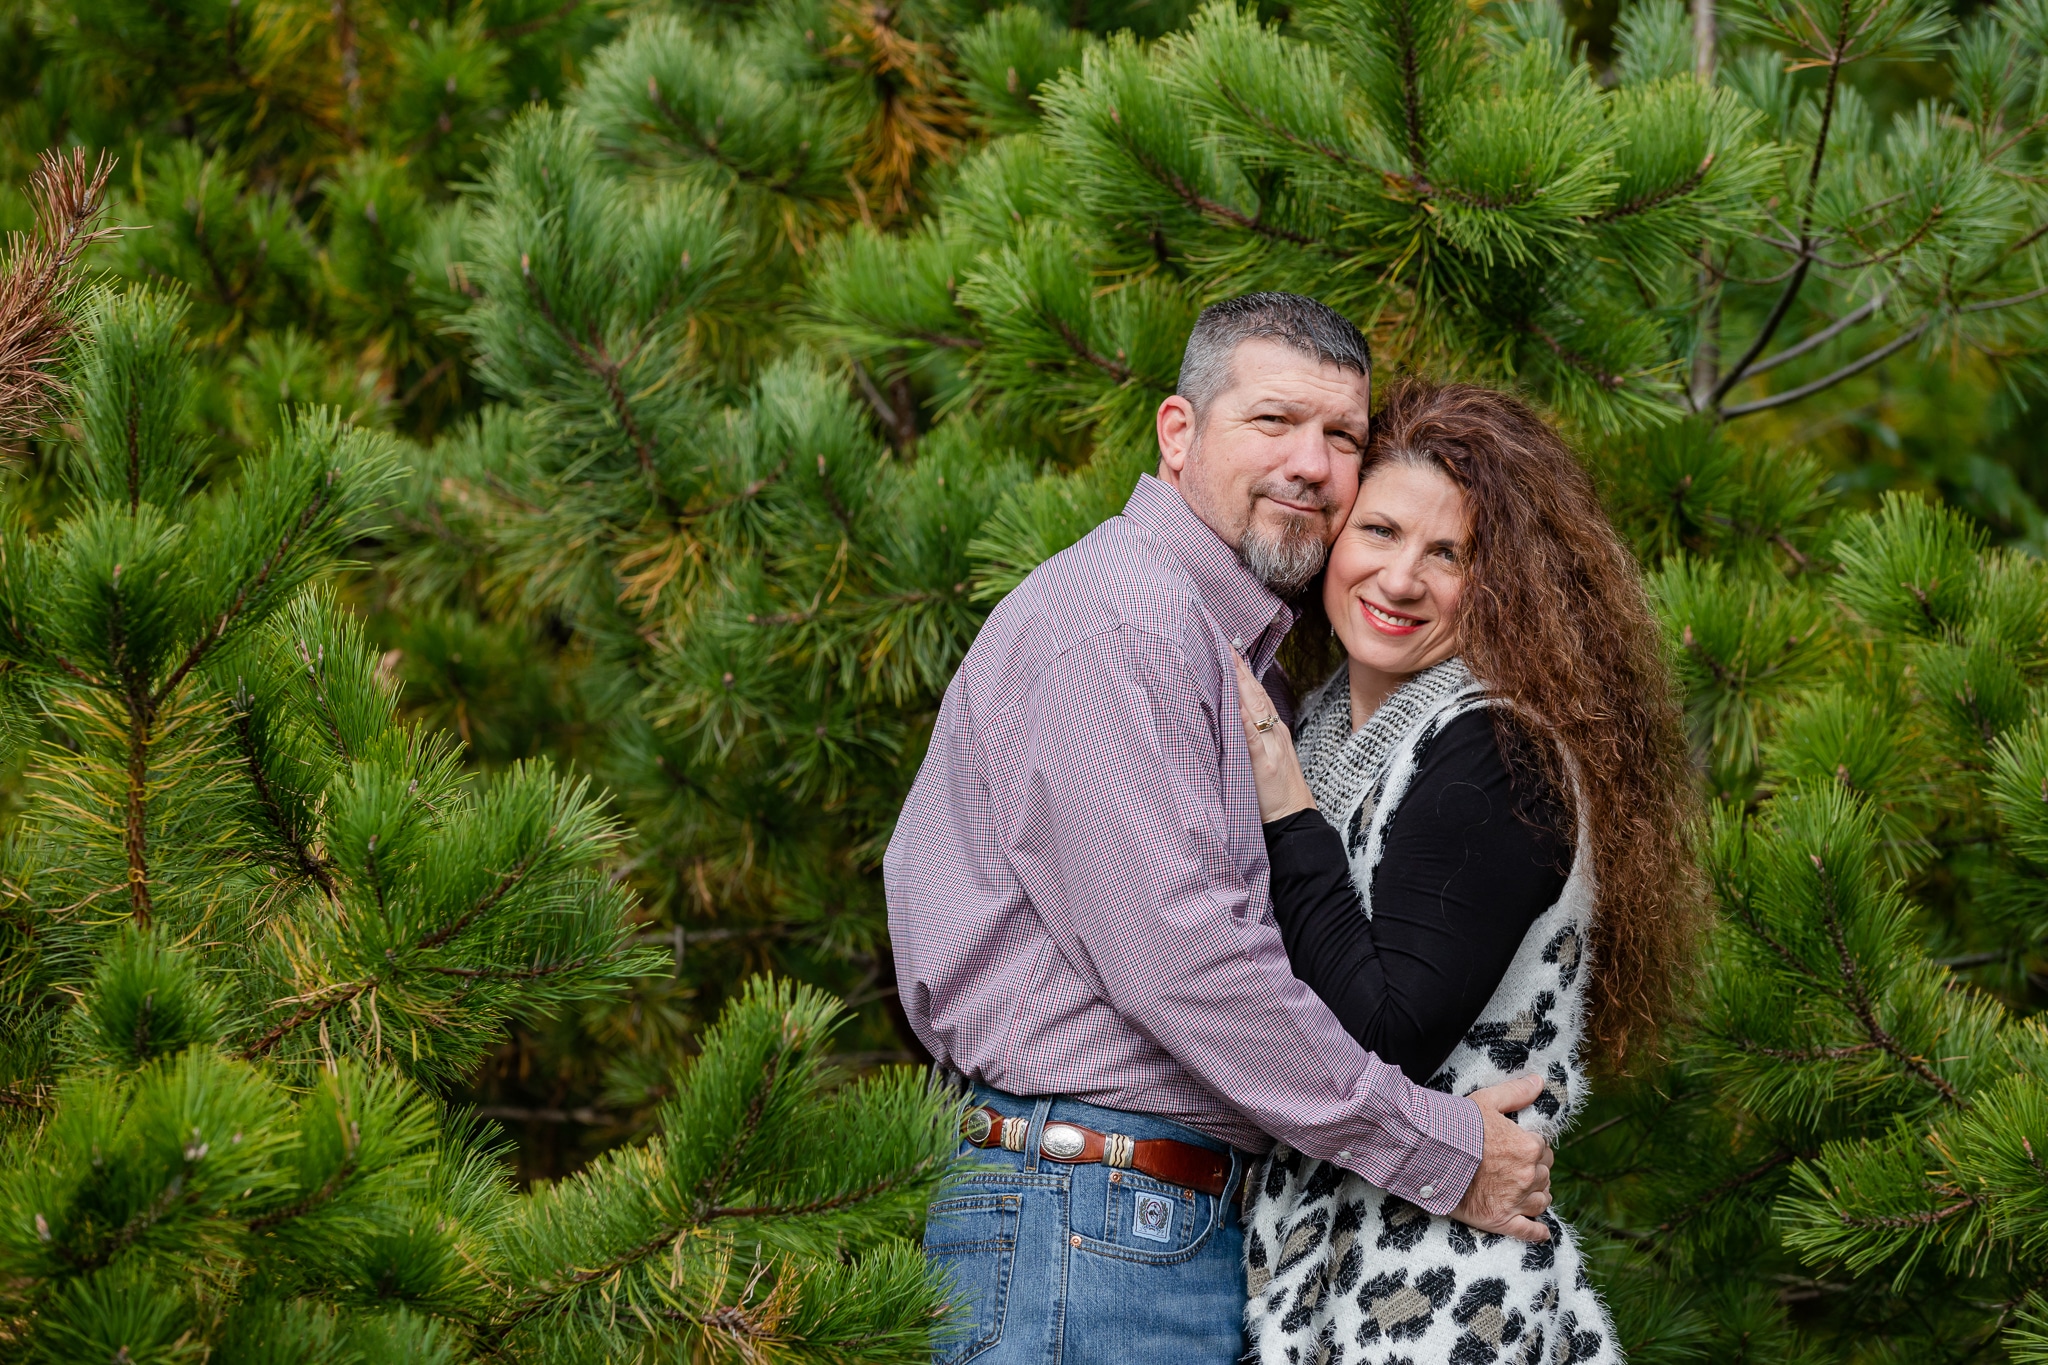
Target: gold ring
1268, 723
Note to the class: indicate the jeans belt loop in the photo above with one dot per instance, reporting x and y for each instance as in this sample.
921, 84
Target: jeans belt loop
1039, 1110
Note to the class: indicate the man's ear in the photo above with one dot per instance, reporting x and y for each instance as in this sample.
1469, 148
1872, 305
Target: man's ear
1176, 427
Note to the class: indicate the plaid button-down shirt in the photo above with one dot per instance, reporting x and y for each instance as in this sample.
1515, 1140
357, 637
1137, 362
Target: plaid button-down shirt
1078, 885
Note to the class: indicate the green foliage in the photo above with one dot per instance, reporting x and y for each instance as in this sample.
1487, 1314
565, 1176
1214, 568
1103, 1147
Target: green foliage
284, 158
753, 369
255, 925
1845, 1108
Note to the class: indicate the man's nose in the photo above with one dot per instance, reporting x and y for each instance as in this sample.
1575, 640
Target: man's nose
1308, 456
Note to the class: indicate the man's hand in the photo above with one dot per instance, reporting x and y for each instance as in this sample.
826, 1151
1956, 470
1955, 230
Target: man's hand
1512, 1187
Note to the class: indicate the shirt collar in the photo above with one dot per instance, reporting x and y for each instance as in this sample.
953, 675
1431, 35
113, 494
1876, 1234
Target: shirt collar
1248, 610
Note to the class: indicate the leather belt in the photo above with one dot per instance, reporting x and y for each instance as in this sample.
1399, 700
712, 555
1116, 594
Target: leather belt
1176, 1163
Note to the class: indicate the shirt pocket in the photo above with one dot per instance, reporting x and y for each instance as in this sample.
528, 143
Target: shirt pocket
972, 1241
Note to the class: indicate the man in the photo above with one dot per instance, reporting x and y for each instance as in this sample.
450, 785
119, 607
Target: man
1078, 897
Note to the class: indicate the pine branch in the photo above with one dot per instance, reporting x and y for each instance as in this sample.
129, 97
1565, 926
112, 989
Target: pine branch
324, 702
134, 830
599, 363
329, 1188
206, 643
1990, 305
1924, 1219
173, 1194
750, 1127
75, 671
1221, 212
509, 974
839, 511
708, 145
321, 1003
1805, 244
1828, 381
1574, 359
1411, 87
492, 897
839, 1201
1859, 999
1807, 1054
135, 826
1643, 203
1115, 369
302, 853
528, 27
1730, 1186
1293, 139
1820, 338
39, 273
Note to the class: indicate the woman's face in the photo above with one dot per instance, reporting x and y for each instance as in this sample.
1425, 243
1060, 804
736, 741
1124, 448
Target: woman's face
1397, 569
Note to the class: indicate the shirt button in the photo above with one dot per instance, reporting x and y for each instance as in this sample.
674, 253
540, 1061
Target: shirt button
1344, 1155
1237, 643
1427, 1191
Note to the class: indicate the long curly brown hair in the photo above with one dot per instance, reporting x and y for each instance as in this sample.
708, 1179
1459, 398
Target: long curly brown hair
1554, 619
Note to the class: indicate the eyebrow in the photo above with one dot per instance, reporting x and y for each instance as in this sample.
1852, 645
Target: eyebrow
1290, 406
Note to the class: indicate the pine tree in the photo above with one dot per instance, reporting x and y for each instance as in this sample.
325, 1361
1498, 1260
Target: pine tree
744, 561
255, 924
760, 570
286, 155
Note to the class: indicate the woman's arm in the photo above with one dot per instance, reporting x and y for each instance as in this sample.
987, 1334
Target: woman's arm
1462, 877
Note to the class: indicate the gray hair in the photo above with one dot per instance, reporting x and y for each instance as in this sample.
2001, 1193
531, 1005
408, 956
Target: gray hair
1314, 329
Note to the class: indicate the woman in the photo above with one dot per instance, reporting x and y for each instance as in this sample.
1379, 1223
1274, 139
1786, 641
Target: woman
1478, 862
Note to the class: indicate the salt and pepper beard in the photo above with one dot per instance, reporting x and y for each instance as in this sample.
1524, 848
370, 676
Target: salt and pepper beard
1287, 558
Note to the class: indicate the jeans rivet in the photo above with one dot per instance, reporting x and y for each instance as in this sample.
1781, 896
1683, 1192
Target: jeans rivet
1075, 1240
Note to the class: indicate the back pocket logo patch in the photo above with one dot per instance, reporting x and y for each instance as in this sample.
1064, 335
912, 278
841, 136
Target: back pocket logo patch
1151, 1216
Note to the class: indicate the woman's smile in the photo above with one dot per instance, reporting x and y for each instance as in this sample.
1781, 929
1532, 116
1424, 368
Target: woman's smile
1387, 621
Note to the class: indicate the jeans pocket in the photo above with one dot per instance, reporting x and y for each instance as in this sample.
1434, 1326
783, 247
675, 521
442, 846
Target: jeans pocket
1151, 1216
972, 1241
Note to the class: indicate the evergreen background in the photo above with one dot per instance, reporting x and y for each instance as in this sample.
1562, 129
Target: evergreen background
737, 356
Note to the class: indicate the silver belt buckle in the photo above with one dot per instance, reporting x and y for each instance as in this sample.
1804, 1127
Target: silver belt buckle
1062, 1141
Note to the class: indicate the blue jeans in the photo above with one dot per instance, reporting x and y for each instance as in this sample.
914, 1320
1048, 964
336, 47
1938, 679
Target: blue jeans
1074, 1265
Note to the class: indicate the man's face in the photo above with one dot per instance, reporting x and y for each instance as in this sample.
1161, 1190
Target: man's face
1273, 465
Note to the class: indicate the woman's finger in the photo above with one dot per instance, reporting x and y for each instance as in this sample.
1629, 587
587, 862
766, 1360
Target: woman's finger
1253, 705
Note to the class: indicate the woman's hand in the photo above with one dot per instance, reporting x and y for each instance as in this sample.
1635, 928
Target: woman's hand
1282, 788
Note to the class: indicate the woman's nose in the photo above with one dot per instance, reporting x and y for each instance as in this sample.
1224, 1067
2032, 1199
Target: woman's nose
1401, 580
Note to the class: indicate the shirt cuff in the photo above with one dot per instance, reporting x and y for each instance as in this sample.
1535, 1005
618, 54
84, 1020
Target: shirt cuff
1434, 1168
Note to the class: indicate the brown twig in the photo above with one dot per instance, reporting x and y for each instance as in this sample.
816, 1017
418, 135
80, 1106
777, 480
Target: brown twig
36, 280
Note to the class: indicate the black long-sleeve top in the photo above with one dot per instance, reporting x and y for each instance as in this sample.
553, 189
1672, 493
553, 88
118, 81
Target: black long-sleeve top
1471, 859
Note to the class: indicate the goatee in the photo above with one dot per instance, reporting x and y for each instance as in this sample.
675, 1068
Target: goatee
1287, 556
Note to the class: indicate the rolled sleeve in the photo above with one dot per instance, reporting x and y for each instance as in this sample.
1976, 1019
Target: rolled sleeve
1120, 835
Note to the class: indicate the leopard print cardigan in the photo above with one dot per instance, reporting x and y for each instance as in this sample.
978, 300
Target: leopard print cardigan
1339, 1272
